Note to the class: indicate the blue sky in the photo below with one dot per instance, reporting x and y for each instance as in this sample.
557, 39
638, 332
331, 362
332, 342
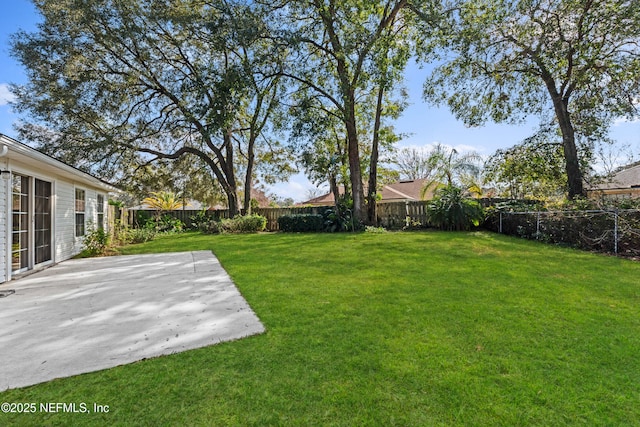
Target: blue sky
426, 124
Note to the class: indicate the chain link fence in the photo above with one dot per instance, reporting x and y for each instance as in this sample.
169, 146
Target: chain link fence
611, 231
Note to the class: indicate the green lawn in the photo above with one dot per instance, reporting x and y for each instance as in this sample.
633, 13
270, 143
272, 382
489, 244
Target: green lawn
406, 329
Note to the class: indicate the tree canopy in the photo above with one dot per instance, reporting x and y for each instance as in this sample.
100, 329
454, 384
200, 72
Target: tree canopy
159, 79
577, 61
533, 169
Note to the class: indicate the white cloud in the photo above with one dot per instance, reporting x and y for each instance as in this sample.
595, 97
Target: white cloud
5, 94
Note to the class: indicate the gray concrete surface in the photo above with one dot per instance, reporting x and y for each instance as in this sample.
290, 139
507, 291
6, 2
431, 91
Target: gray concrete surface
90, 314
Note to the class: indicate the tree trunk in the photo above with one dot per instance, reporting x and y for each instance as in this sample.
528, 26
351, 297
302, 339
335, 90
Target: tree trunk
575, 184
373, 165
231, 189
355, 171
248, 181
335, 190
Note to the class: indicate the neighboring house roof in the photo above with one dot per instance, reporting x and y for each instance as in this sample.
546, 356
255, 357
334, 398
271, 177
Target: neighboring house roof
323, 200
15, 151
624, 182
628, 177
406, 190
191, 205
395, 192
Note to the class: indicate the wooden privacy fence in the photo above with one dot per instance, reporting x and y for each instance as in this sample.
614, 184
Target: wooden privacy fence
396, 215
272, 214
391, 215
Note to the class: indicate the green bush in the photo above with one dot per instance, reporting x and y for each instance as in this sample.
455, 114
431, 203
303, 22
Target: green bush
340, 217
210, 227
301, 223
136, 235
95, 242
200, 220
451, 210
142, 218
244, 224
168, 224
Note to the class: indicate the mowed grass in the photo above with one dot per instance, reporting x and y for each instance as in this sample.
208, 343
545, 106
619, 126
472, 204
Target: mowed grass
406, 329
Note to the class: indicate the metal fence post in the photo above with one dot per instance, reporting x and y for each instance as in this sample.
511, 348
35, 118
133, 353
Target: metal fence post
538, 226
500, 227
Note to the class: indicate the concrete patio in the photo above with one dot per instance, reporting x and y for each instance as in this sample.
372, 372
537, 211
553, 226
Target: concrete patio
90, 314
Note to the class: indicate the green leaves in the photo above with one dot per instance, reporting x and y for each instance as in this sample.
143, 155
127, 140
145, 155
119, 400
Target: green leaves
451, 210
141, 80
512, 59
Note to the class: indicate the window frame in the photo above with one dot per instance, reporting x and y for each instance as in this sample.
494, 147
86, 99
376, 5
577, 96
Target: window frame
100, 211
80, 208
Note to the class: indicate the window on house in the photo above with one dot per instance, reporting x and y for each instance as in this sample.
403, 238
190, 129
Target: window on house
100, 210
80, 209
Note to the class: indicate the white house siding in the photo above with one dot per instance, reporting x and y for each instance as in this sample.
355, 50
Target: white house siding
67, 244
5, 231
23, 160
91, 213
65, 217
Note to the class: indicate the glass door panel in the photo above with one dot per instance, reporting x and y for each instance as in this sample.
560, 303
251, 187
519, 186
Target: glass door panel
42, 221
20, 229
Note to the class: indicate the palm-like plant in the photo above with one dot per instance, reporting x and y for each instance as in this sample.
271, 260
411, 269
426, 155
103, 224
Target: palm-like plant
451, 168
451, 210
163, 201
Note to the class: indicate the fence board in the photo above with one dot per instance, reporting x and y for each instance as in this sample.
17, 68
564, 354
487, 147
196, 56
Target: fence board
396, 215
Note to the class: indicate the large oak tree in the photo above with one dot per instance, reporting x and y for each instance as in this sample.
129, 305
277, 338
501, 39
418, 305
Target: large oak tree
162, 79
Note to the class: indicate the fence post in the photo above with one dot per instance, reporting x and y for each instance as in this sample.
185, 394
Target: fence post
615, 231
538, 226
500, 227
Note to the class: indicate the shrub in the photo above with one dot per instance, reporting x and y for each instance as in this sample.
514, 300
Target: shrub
210, 227
168, 224
340, 217
411, 224
95, 242
450, 210
136, 235
142, 218
244, 224
301, 223
200, 220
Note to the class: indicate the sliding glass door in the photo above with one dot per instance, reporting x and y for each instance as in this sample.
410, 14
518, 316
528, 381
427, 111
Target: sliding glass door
31, 219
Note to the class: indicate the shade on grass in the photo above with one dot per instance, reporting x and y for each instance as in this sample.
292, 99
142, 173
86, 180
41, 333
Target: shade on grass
390, 329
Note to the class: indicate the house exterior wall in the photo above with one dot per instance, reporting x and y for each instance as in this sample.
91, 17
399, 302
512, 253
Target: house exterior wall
4, 230
21, 160
64, 201
67, 244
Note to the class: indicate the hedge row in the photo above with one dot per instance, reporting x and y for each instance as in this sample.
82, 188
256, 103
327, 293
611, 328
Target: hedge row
301, 223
